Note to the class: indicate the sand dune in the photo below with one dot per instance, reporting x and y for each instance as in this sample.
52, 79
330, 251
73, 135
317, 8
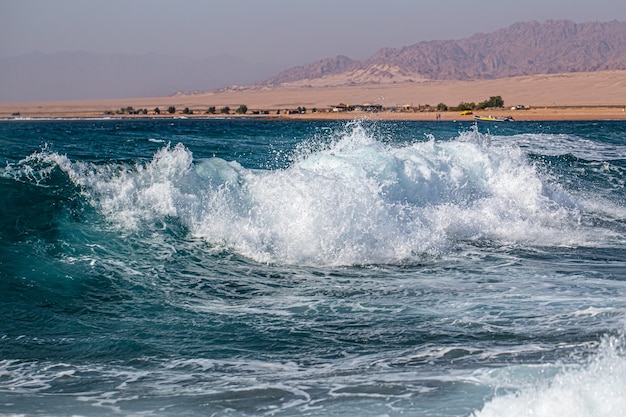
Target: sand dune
545, 94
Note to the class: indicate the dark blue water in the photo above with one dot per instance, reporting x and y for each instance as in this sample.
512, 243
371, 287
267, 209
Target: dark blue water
246, 268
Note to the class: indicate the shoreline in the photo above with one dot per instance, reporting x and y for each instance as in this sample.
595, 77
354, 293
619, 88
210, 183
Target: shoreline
557, 113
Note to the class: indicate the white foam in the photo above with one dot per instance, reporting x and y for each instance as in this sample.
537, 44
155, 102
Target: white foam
355, 200
594, 389
564, 144
360, 201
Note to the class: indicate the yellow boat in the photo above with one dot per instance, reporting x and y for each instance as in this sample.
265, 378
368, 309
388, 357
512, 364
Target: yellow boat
494, 119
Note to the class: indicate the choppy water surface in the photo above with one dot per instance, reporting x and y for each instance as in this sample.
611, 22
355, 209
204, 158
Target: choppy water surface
246, 267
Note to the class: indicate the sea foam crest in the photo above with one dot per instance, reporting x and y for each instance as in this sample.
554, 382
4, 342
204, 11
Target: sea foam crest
355, 200
595, 389
362, 201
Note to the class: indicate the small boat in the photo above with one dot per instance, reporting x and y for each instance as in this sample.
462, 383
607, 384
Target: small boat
494, 119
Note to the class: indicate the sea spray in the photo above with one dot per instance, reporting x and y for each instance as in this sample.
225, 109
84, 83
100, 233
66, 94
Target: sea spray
361, 201
596, 387
352, 200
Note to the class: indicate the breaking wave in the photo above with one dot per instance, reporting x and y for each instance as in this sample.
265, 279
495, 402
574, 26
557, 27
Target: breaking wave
352, 200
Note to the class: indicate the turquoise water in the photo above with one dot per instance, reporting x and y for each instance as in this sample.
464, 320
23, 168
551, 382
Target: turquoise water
286, 268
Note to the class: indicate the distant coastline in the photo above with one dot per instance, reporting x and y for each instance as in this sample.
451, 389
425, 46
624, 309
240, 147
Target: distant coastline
533, 114
572, 96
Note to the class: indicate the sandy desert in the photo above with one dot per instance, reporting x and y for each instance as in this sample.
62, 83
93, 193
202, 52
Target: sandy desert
571, 96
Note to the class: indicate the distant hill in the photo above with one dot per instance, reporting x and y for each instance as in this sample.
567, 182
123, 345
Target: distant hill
521, 49
82, 76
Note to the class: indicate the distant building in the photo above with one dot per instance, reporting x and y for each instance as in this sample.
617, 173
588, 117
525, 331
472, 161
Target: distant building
341, 107
367, 107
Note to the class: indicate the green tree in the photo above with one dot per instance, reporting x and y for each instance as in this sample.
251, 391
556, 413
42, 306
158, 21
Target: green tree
171, 109
157, 110
211, 110
225, 110
442, 107
493, 102
496, 101
243, 109
186, 110
464, 106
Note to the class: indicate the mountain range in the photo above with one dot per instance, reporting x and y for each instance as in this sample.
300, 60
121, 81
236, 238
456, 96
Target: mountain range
526, 48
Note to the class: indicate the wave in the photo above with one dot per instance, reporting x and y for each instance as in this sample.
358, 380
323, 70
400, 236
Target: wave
37, 197
594, 388
351, 200
566, 144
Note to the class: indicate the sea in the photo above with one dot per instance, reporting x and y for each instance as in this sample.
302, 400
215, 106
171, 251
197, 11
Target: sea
268, 267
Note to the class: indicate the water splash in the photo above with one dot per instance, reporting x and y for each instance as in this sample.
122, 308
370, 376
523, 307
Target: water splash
351, 200
596, 388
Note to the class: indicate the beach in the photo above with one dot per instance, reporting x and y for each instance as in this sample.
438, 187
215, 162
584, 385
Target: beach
574, 96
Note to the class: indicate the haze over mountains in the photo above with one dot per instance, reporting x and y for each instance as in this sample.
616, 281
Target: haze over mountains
521, 49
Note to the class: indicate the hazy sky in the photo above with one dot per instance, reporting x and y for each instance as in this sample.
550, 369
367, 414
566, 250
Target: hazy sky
286, 32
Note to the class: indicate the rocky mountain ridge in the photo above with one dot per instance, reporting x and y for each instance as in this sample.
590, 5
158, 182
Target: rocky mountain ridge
526, 48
